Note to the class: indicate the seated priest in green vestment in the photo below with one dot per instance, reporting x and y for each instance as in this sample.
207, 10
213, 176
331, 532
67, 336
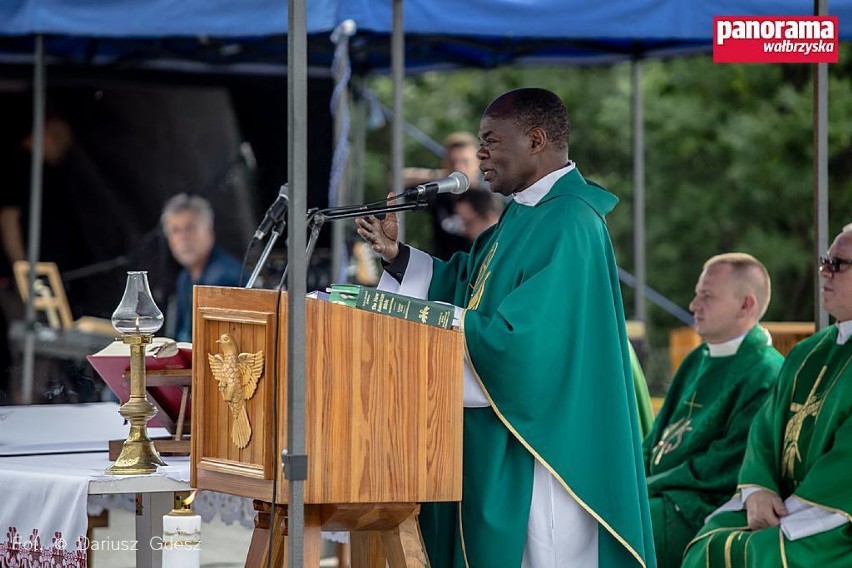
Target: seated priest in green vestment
695, 449
553, 471
793, 506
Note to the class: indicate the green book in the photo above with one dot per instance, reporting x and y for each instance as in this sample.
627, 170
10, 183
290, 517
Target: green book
396, 305
346, 294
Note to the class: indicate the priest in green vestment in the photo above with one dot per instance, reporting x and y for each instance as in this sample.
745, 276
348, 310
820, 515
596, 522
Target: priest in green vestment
695, 449
553, 472
793, 506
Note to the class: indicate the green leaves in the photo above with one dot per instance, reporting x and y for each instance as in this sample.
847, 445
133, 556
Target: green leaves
729, 159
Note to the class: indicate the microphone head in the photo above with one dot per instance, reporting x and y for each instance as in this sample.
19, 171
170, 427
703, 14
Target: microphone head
284, 191
462, 183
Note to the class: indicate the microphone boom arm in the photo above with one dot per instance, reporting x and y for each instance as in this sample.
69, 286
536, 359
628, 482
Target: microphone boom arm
316, 219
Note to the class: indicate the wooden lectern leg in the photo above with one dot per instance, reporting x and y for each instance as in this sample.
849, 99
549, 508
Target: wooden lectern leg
367, 549
403, 546
263, 524
399, 547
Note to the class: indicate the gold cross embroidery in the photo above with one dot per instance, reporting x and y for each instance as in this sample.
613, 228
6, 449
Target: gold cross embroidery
810, 407
673, 435
671, 439
481, 278
692, 404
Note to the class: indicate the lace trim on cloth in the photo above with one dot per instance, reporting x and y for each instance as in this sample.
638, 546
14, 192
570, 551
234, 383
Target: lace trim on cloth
208, 505
16, 551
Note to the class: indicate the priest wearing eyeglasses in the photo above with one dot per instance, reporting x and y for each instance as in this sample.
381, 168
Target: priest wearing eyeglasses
793, 505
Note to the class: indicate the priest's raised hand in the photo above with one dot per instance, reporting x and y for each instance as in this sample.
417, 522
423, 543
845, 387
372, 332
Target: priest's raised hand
382, 234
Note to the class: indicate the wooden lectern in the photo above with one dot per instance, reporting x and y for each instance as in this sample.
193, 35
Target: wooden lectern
384, 421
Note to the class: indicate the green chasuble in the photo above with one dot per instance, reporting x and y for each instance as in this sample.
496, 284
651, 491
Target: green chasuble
643, 397
801, 445
696, 447
544, 331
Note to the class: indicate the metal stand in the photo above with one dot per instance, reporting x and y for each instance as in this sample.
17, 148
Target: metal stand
276, 232
316, 220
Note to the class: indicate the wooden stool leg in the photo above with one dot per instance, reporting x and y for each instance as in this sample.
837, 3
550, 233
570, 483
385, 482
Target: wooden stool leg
367, 549
343, 555
403, 546
263, 523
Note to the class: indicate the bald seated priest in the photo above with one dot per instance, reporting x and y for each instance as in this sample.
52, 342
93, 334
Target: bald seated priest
695, 449
793, 505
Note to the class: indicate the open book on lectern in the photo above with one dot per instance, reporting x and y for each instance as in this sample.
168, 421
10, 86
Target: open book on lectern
113, 363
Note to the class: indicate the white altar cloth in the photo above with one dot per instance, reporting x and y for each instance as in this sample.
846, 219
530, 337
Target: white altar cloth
48, 469
45, 500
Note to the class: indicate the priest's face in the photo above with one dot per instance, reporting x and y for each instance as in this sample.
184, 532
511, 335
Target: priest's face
504, 151
837, 278
718, 305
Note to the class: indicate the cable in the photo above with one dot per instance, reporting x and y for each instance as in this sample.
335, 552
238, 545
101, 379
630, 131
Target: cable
275, 454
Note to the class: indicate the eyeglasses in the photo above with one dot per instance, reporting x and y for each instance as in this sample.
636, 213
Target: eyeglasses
832, 264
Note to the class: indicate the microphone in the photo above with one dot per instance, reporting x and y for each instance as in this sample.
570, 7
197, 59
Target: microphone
456, 183
274, 214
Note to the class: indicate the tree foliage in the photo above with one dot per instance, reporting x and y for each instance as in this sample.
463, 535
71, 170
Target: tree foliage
729, 159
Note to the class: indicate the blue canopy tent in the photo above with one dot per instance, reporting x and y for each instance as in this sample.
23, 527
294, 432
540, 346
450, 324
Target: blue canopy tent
439, 34
251, 37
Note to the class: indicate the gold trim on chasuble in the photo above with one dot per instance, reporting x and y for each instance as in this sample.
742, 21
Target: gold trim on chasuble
801, 411
461, 538
709, 536
530, 449
674, 433
745, 548
729, 543
825, 508
481, 278
781, 546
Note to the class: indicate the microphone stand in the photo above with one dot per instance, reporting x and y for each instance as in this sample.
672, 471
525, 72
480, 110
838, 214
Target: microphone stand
317, 218
277, 231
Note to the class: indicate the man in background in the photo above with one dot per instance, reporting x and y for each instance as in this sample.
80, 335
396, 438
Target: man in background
477, 209
188, 225
60, 242
696, 446
459, 156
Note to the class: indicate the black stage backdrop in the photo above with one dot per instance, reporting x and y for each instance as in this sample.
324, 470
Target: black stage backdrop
137, 143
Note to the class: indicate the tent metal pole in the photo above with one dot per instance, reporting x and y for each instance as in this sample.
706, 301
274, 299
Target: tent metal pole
34, 237
340, 176
638, 190
820, 172
359, 149
294, 458
398, 74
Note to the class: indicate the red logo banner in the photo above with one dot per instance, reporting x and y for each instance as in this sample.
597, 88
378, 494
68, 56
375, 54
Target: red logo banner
775, 39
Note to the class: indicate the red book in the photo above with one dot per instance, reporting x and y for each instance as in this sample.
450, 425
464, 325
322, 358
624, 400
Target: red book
113, 361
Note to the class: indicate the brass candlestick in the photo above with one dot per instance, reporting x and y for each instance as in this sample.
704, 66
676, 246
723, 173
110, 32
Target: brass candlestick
137, 318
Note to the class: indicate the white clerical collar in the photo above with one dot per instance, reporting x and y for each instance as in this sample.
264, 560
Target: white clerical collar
534, 193
844, 331
726, 348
